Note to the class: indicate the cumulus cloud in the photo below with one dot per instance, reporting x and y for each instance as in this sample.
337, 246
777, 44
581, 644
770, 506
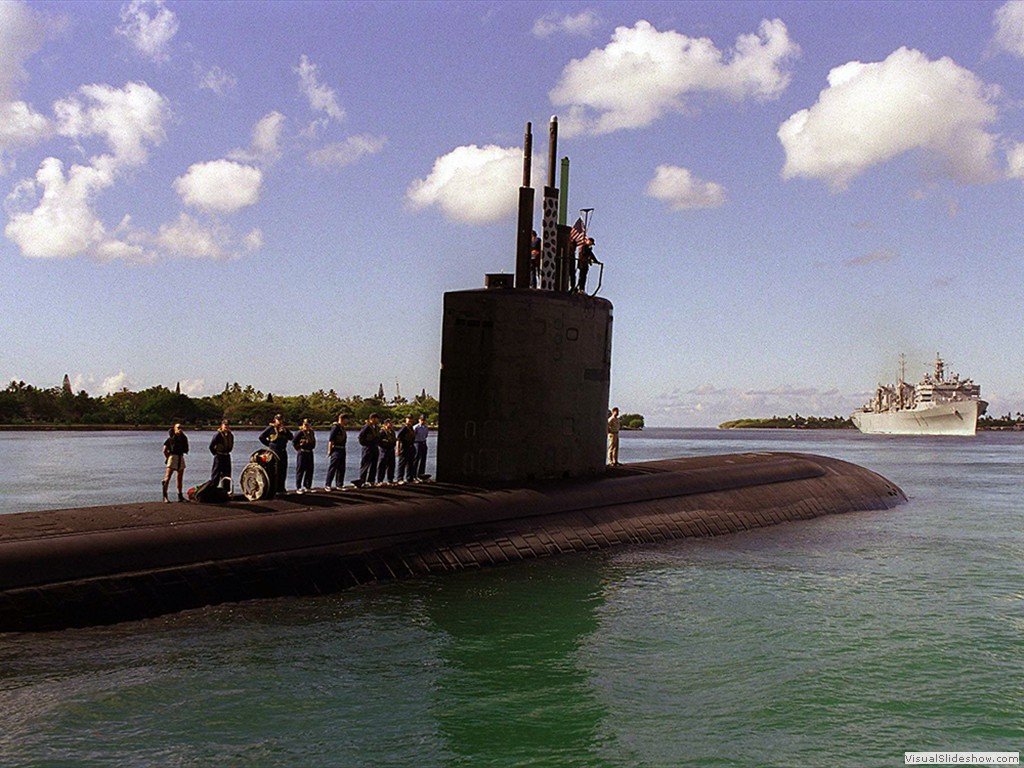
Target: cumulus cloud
584, 24
187, 237
1015, 161
265, 147
643, 73
127, 119
871, 113
148, 26
192, 387
1009, 23
220, 186
881, 256
116, 383
684, 191
346, 152
62, 224
215, 79
471, 184
22, 33
321, 97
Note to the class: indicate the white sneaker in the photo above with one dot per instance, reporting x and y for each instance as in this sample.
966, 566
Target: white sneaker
328, 488
300, 490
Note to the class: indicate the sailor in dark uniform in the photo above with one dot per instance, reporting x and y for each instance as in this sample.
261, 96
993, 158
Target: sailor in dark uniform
336, 455
386, 462
407, 451
305, 444
368, 441
276, 437
220, 446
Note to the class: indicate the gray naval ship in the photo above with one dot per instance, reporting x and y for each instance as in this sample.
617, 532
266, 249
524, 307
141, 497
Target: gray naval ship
937, 405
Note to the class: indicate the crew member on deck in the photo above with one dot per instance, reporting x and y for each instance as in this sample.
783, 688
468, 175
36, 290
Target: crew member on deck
336, 440
305, 444
175, 448
585, 259
386, 440
276, 437
407, 451
613, 438
422, 430
368, 441
220, 446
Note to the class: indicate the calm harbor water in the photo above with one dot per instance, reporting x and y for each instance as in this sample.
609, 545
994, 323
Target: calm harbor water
842, 641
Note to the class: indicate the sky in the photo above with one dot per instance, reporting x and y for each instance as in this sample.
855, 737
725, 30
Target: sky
787, 196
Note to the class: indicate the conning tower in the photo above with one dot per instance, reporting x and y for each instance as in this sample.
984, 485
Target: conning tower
525, 372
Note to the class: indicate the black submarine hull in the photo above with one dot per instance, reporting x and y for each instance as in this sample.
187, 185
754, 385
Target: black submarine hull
101, 565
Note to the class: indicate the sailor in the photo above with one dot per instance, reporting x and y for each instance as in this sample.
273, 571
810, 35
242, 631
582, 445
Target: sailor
220, 446
336, 440
276, 437
613, 438
407, 451
535, 249
305, 444
175, 448
422, 430
368, 441
386, 440
585, 259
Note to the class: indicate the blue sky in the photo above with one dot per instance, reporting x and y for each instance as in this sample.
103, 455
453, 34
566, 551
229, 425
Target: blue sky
787, 195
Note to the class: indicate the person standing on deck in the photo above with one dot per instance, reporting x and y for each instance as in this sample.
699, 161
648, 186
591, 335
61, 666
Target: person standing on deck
175, 448
613, 438
305, 444
336, 440
386, 462
407, 451
421, 430
368, 441
221, 446
276, 437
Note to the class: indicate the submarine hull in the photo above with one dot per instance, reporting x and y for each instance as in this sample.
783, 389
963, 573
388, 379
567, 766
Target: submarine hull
101, 565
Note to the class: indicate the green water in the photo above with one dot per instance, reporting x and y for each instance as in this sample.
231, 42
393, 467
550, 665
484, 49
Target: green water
843, 641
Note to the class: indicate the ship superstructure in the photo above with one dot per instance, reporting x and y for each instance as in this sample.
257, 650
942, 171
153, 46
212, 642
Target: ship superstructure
939, 404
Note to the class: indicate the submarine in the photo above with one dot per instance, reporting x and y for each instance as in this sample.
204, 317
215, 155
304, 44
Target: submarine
520, 474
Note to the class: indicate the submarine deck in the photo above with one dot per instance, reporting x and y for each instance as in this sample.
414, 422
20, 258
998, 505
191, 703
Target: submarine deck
92, 565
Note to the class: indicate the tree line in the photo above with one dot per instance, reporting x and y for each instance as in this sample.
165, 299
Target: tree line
796, 421
24, 404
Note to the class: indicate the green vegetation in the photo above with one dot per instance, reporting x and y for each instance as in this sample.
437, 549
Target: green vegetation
796, 421
1015, 422
23, 404
631, 421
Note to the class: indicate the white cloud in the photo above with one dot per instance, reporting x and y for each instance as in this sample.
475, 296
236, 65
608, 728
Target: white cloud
192, 387
63, 223
643, 73
1015, 161
684, 191
116, 383
1009, 23
215, 79
321, 97
471, 184
126, 118
871, 113
187, 237
149, 26
265, 147
346, 152
22, 33
220, 186
584, 24
21, 126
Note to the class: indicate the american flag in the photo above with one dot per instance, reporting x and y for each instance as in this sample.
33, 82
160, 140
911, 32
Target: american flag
578, 233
